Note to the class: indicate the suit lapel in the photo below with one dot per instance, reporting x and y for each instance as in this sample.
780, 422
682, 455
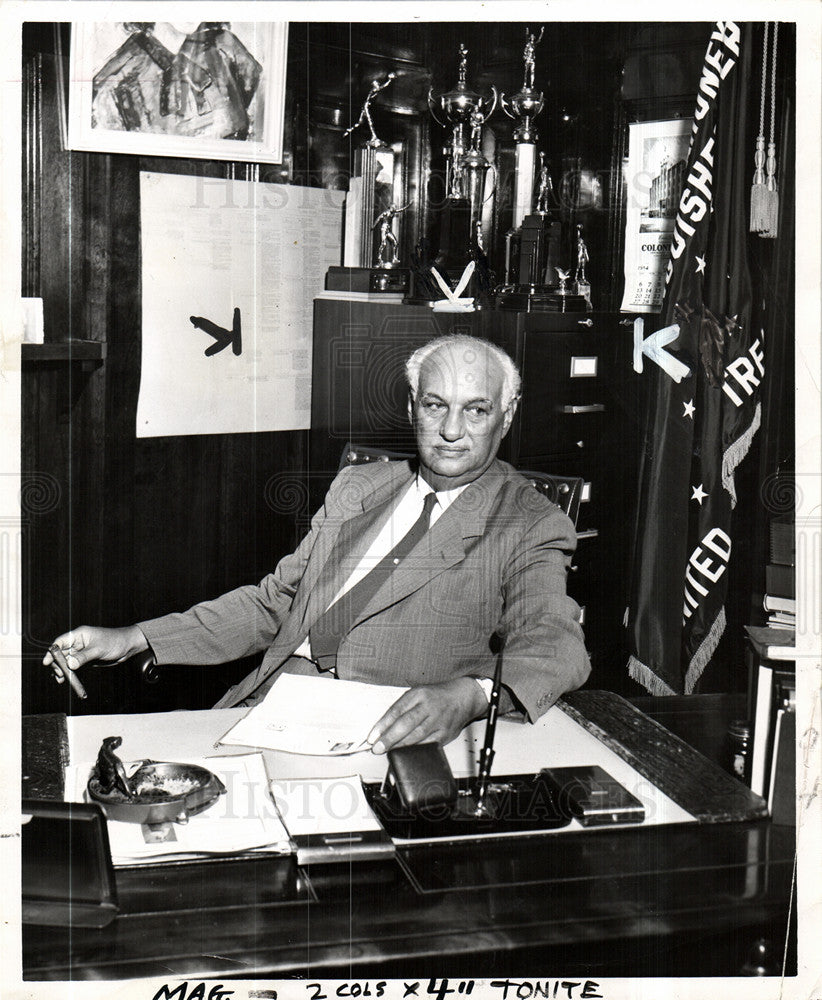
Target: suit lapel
353, 538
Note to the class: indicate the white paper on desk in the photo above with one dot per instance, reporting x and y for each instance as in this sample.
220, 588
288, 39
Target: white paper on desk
244, 819
310, 806
314, 715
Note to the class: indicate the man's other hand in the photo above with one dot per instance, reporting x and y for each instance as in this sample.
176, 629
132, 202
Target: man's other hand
88, 644
432, 713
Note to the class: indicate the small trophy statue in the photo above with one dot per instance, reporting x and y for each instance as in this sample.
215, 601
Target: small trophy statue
370, 189
545, 191
370, 195
563, 281
365, 114
581, 284
387, 250
474, 168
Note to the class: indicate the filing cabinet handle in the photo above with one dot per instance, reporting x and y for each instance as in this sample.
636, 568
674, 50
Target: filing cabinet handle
585, 322
626, 322
585, 408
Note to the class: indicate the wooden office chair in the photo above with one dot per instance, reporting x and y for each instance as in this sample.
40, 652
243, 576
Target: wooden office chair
361, 454
564, 491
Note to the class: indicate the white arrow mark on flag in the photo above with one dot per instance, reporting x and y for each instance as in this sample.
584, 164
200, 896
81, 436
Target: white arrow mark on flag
654, 346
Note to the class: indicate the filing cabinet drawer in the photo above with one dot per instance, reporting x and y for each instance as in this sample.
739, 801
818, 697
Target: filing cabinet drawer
563, 358
559, 428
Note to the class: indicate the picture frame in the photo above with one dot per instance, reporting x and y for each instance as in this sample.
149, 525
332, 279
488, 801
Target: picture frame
209, 90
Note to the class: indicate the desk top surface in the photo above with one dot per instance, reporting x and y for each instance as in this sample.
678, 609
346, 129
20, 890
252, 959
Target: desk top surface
607, 897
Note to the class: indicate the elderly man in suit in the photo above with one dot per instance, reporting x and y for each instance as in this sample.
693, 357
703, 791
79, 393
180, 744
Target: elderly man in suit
412, 574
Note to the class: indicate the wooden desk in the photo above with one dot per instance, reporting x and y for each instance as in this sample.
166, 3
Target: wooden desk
682, 900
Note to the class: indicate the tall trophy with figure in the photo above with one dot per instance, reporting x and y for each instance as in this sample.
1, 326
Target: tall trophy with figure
468, 174
370, 195
523, 107
535, 287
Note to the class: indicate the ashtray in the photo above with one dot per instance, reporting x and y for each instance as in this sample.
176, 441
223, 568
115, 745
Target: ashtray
156, 792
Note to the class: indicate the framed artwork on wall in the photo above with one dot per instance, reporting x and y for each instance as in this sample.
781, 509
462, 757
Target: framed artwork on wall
210, 90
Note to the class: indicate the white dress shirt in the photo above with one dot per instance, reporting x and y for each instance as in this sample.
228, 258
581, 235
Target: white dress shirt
399, 523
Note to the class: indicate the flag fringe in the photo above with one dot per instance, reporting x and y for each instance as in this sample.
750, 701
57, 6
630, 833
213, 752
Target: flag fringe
737, 451
647, 678
706, 650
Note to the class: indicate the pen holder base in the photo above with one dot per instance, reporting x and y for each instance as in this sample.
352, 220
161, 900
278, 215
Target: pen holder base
515, 803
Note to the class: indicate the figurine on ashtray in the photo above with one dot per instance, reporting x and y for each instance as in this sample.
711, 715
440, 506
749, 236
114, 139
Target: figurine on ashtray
387, 251
109, 771
149, 791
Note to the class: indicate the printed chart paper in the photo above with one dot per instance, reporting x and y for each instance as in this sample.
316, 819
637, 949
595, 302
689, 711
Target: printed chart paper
229, 273
657, 152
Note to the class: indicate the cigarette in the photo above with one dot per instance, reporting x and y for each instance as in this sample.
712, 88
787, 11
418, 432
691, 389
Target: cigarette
68, 673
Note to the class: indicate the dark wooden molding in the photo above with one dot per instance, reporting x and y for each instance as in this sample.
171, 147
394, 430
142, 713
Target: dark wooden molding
701, 787
69, 350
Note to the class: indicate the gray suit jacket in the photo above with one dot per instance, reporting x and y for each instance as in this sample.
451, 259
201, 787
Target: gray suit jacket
494, 562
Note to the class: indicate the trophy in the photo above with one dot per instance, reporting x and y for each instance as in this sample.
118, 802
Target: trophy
523, 107
532, 257
581, 284
464, 111
474, 169
458, 108
370, 195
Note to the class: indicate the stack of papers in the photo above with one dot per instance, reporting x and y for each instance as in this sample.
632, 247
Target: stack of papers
244, 819
314, 715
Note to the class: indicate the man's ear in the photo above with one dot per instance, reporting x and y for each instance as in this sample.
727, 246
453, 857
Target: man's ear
508, 416
411, 407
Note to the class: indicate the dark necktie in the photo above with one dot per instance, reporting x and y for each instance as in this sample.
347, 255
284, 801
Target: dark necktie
331, 628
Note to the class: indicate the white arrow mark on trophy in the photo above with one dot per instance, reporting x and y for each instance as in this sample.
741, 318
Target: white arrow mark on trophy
654, 346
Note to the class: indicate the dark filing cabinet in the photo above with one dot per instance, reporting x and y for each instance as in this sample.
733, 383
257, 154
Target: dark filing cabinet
580, 414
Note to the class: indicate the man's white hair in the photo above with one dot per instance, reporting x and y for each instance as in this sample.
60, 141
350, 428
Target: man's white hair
511, 381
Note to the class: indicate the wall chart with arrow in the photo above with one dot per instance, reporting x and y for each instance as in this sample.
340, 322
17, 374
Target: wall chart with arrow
230, 270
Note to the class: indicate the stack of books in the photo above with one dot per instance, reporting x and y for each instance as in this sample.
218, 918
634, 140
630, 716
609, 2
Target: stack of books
772, 705
780, 575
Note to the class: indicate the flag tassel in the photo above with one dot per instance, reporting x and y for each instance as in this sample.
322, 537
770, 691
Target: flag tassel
772, 202
758, 190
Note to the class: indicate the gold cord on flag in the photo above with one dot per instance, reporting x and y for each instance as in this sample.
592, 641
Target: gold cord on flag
772, 201
764, 191
758, 189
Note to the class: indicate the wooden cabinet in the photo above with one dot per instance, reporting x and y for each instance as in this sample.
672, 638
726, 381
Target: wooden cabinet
580, 415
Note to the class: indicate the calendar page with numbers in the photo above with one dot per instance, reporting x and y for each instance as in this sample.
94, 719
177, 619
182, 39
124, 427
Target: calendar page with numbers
654, 176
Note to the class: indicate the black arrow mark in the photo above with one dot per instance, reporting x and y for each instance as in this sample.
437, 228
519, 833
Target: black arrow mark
223, 337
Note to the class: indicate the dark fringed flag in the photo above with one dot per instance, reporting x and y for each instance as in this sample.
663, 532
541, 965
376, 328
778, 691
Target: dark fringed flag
701, 423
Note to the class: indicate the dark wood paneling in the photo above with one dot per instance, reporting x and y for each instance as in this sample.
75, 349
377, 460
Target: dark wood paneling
117, 529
